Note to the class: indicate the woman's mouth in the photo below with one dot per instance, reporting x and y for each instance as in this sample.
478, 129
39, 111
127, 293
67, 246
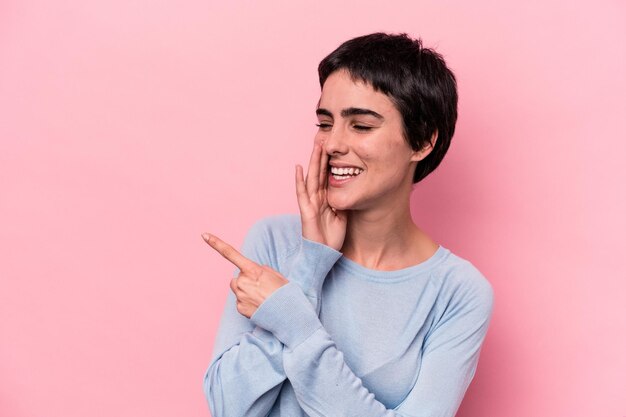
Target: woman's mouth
339, 176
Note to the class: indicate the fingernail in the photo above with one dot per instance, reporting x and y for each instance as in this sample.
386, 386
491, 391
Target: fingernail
206, 237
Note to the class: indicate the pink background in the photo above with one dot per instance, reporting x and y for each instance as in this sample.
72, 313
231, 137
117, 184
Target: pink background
128, 128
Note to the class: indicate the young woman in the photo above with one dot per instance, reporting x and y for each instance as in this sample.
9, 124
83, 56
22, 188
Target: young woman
349, 308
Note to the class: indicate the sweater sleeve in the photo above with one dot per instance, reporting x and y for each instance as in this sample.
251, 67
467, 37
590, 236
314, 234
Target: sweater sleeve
246, 372
324, 384
309, 267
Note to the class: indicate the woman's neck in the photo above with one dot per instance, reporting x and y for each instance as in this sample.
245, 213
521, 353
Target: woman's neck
385, 239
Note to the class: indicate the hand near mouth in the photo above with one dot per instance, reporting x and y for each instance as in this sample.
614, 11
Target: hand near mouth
320, 222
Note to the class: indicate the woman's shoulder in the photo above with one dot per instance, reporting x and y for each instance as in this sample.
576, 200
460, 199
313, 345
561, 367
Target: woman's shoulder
282, 228
460, 278
280, 234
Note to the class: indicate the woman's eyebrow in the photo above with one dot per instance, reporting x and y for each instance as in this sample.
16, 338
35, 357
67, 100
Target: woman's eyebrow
323, 112
350, 111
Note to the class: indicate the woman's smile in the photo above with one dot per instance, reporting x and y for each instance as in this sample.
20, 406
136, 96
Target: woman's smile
339, 174
338, 177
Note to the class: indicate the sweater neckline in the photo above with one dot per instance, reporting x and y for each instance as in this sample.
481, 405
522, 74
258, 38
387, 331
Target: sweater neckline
397, 274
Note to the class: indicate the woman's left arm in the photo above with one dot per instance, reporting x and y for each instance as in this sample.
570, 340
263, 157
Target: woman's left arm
326, 386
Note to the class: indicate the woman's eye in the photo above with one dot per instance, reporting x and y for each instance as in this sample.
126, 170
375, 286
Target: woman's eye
324, 125
361, 127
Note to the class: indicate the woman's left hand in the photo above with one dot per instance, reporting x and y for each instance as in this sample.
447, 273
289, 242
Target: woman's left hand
320, 222
254, 283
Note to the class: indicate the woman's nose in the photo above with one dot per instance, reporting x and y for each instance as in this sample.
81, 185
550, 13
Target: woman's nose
335, 142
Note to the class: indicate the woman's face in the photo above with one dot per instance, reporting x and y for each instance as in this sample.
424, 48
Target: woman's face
362, 129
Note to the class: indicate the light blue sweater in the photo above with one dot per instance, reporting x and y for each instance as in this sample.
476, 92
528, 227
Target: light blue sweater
343, 340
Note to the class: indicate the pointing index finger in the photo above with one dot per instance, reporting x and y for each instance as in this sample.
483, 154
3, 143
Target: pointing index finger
229, 252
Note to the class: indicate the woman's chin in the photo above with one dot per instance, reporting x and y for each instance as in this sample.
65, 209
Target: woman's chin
339, 204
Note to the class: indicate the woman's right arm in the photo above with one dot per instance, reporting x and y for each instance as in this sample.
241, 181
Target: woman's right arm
246, 371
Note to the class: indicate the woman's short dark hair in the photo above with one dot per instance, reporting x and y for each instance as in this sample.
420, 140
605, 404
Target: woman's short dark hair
416, 79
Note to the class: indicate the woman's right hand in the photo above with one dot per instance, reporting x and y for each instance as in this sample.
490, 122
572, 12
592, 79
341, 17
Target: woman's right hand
320, 222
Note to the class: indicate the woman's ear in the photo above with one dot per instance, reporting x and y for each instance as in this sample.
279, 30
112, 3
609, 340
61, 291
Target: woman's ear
426, 149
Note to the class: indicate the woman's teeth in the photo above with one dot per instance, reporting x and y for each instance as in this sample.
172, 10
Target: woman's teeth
343, 173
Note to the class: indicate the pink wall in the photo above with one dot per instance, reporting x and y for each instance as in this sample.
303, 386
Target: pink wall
128, 128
